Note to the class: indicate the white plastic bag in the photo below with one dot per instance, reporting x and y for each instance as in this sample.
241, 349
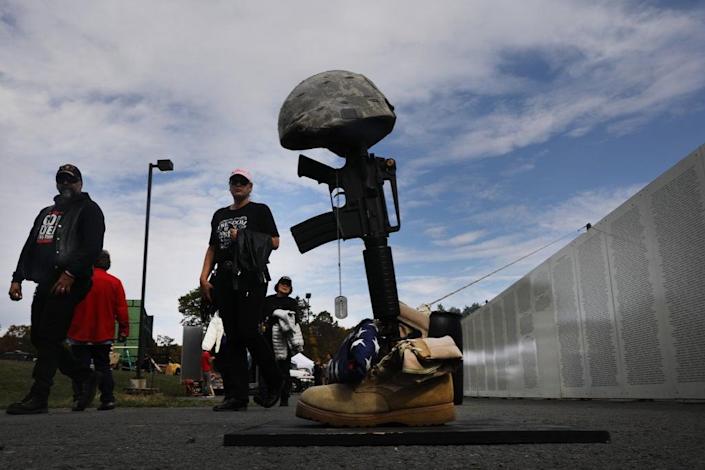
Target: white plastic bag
214, 334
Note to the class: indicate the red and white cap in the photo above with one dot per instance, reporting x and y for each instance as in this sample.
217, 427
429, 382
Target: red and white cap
241, 172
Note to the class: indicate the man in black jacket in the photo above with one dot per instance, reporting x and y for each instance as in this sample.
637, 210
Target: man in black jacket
58, 255
238, 290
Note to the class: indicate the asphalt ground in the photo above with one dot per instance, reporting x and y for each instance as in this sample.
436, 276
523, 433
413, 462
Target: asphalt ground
644, 434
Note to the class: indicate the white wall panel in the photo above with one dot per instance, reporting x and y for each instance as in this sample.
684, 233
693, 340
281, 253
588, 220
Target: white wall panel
543, 334
617, 313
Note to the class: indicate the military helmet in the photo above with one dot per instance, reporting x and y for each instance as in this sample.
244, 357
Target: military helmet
338, 110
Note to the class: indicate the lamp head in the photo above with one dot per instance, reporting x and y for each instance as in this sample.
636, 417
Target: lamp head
165, 165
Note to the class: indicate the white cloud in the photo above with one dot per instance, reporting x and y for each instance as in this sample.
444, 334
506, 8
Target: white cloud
436, 232
462, 239
112, 86
586, 206
521, 166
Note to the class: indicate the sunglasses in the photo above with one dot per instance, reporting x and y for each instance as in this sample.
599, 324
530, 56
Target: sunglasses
239, 181
65, 178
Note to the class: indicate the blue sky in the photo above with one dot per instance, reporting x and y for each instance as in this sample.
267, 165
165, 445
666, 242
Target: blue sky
517, 123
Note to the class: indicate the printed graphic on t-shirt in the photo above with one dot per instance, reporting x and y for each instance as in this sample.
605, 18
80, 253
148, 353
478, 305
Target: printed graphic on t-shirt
224, 229
48, 228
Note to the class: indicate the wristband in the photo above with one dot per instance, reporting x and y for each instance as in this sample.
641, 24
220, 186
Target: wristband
69, 274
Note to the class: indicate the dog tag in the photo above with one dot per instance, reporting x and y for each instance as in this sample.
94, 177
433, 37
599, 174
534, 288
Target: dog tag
341, 307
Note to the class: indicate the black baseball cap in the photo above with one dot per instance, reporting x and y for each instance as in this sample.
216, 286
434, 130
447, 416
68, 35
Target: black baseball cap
286, 280
71, 170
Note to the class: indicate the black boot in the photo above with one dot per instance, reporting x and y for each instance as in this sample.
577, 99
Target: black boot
88, 389
76, 386
269, 397
106, 406
76, 397
30, 405
231, 404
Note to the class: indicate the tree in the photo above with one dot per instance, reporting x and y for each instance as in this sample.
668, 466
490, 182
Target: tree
165, 350
326, 317
465, 311
322, 336
190, 306
468, 310
305, 314
17, 337
164, 341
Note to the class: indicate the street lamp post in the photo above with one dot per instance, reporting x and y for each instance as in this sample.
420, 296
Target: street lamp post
163, 165
308, 306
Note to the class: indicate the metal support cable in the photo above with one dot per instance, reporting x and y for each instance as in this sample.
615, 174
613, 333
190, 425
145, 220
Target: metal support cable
509, 264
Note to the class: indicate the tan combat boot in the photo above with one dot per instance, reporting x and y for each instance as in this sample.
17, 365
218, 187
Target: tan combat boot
412, 386
413, 320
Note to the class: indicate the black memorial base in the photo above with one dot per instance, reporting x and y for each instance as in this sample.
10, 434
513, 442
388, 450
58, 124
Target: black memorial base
483, 432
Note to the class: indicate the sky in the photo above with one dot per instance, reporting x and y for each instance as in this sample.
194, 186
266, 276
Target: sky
517, 124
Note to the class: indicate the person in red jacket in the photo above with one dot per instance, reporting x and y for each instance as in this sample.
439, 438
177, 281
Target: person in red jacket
206, 368
93, 328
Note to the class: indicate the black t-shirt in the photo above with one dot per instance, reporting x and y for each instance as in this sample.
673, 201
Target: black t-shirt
44, 251
253, 216
274, 302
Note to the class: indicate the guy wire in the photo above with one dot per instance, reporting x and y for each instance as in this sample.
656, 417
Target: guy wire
509, 264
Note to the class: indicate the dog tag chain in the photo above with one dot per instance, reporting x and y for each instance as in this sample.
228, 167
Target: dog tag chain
341, 302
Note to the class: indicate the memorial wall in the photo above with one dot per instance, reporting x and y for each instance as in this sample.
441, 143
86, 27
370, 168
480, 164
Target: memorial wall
617, 313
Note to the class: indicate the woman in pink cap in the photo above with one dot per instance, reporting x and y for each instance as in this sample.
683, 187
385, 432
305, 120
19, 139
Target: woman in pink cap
242, 236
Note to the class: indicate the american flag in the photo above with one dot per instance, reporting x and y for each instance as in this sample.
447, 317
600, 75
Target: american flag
356, 355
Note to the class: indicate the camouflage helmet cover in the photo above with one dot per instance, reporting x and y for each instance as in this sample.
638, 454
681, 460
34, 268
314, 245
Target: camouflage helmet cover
338, 110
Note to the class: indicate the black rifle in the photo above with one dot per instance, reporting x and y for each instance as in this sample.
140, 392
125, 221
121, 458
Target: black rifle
363, 215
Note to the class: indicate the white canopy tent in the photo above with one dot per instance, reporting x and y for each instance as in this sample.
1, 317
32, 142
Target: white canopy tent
302, 362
